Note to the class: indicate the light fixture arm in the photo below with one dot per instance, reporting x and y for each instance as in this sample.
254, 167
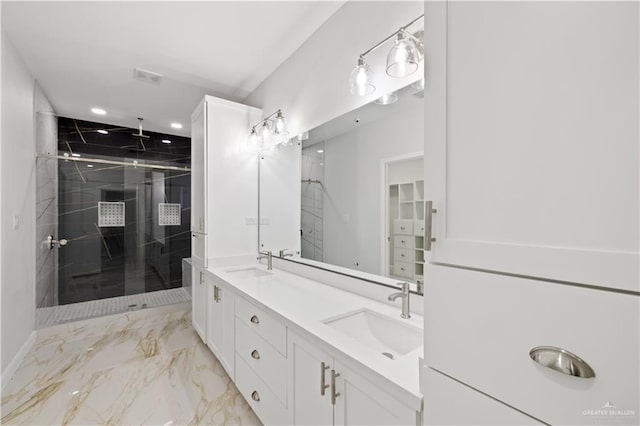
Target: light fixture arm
402, 29
266, 119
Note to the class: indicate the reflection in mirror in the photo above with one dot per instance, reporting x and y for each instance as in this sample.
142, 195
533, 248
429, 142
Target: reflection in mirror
362, 203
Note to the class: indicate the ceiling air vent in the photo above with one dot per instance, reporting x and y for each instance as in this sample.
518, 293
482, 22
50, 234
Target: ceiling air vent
148, 76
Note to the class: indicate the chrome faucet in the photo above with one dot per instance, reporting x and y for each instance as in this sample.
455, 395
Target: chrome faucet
405, 299
269, 256
283, 253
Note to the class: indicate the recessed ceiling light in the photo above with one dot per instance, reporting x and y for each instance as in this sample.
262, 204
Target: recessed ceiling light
176, 125
75, 155
166, 141
320, 151
103, 132
98, 111
90, 165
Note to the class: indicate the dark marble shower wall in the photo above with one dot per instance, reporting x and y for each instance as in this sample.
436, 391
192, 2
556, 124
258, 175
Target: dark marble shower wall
139, 255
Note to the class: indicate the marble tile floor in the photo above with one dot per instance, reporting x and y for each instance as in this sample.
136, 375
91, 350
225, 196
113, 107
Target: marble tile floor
142, 367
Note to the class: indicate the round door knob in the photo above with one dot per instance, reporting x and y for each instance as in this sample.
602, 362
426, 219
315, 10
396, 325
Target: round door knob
63, 242
255, 396
255, 354
255, 320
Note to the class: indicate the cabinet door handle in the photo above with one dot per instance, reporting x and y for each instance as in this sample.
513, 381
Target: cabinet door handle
334, 394
216, 293
428, 224
562, 361
255, 320
255, 396
255, 354
201, 278
323, 386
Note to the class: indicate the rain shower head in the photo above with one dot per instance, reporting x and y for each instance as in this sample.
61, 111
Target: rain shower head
139, 134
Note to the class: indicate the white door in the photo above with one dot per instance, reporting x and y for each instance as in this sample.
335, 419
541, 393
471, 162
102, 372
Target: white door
311, 369
198, 301
531, 130
214, 318
361, 403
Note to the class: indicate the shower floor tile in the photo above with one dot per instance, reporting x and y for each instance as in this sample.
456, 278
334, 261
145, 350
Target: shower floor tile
46, 317
142, 367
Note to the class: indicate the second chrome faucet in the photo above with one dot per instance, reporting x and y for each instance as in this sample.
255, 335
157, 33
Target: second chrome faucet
404, 294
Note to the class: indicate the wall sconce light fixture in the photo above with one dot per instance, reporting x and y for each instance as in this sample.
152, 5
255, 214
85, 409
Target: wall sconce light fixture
268, 132
403, 59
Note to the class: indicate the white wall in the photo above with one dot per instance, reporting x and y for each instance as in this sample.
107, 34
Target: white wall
354, 183
17, 280
312, 86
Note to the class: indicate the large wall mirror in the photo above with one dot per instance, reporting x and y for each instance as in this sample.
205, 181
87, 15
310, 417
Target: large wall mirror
361, 207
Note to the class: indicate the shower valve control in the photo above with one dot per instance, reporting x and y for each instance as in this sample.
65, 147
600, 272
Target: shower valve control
51, 243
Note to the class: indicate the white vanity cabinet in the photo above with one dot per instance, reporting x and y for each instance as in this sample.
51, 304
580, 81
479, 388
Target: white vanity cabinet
220, 322
327, 392
530, 169
261, 362
199, 299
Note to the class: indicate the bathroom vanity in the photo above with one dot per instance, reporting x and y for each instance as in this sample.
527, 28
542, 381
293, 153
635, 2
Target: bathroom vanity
304, 352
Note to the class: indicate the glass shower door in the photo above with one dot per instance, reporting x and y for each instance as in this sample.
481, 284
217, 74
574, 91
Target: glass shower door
126, 226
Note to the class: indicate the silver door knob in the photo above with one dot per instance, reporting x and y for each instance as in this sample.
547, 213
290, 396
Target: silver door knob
255, 354
255, 320
255, 396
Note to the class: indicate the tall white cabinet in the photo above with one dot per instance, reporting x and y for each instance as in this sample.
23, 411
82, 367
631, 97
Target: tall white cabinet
532, 157
221, 168
531, 161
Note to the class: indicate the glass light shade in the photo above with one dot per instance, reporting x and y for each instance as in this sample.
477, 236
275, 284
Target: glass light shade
388, 99
403, 58
279, 125
360, 80
266, 137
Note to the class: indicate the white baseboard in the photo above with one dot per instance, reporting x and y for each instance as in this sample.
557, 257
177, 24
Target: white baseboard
8, 373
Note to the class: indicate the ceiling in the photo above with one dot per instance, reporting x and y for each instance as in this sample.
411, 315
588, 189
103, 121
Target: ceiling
83, 54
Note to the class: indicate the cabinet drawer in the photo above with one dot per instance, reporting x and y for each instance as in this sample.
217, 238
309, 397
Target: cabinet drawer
269, 364
418, 227
471, 407
264, 325
403, 255
264, 402
404, 227
403, 269
484, 338
403, 241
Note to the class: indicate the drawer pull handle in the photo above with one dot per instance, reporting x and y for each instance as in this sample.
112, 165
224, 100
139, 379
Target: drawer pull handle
562, 361
403, 241
255, 396
334, 393
323, 385
255, 354
255, 320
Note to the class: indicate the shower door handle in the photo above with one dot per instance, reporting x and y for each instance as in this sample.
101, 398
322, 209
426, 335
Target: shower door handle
51, 243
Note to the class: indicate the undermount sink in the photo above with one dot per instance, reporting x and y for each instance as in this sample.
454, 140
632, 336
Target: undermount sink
388, 336
250, 272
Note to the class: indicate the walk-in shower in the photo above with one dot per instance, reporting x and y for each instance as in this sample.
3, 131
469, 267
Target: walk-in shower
121, 202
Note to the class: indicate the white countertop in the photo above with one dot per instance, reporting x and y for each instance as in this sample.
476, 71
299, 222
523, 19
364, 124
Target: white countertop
303, 304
